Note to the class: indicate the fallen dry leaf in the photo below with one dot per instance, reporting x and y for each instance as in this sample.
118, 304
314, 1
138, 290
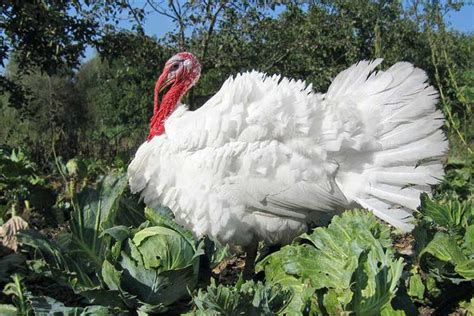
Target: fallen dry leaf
9, 230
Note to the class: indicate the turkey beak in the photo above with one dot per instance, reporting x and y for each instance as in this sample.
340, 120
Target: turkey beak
166, 84
163, 82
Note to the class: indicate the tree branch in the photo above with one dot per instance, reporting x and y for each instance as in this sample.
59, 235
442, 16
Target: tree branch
182, 25
160, 10
210, 30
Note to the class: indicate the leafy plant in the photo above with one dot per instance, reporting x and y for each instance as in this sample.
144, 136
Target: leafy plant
61, 262
8, 310
20, 184
153, 266
444, 248
9, 264
348, 266
459, 180
95, 211
76, 167
249, 298
449, 255
18, 292
444, 253
450, 213
77, 256
44, 305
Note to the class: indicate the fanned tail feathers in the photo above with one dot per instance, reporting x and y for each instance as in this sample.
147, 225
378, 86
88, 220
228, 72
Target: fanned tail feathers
399, 110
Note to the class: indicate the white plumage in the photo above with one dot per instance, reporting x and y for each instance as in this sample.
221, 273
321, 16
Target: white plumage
265, 156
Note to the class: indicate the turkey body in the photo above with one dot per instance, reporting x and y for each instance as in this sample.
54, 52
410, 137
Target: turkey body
266, 156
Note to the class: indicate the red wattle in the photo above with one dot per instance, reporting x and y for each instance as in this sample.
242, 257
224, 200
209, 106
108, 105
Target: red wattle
168, 104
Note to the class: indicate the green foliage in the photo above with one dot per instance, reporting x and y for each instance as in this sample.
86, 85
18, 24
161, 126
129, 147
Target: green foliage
449, 213
152, 267
8, 310
53, 35
44, 305
447, 222
8, 264
113, 250
350, 265
468, 307
249, 298
416, 288
117, 93
445, 252
444, 248
62, 265
51, 40
76, 167
77, 256
449, 256
458, 181
17, 290
95, 211
20, 185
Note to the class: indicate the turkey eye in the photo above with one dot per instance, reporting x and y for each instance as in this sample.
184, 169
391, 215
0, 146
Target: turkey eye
174, 67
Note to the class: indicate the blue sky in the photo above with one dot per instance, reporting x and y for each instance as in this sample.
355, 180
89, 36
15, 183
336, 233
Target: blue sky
462, 20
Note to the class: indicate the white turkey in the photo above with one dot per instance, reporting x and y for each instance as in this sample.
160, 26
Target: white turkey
266, 156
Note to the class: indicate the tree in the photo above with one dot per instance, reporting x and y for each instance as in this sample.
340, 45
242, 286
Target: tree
52, 119
52, 35
118, 91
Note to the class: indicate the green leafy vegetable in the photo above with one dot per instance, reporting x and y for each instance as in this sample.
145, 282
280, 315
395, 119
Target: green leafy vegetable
152, 267
249, 298
450, 213
95, 212
62, 264
77, 257
349, 265
44, 305
416, 288
453, 250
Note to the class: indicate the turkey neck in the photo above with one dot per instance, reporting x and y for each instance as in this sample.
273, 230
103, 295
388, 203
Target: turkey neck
163, 111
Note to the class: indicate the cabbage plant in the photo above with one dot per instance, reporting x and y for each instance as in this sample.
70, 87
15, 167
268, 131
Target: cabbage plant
153, 266
348, 267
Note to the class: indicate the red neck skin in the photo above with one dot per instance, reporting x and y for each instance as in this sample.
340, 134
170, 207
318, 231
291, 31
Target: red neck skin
163, 111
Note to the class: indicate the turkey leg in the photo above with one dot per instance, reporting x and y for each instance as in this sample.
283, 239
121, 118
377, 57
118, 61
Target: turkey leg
251, 255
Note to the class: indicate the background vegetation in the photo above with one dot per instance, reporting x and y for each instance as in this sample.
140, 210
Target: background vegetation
74, 239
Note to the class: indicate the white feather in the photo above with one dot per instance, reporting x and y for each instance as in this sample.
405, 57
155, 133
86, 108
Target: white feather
265, 156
